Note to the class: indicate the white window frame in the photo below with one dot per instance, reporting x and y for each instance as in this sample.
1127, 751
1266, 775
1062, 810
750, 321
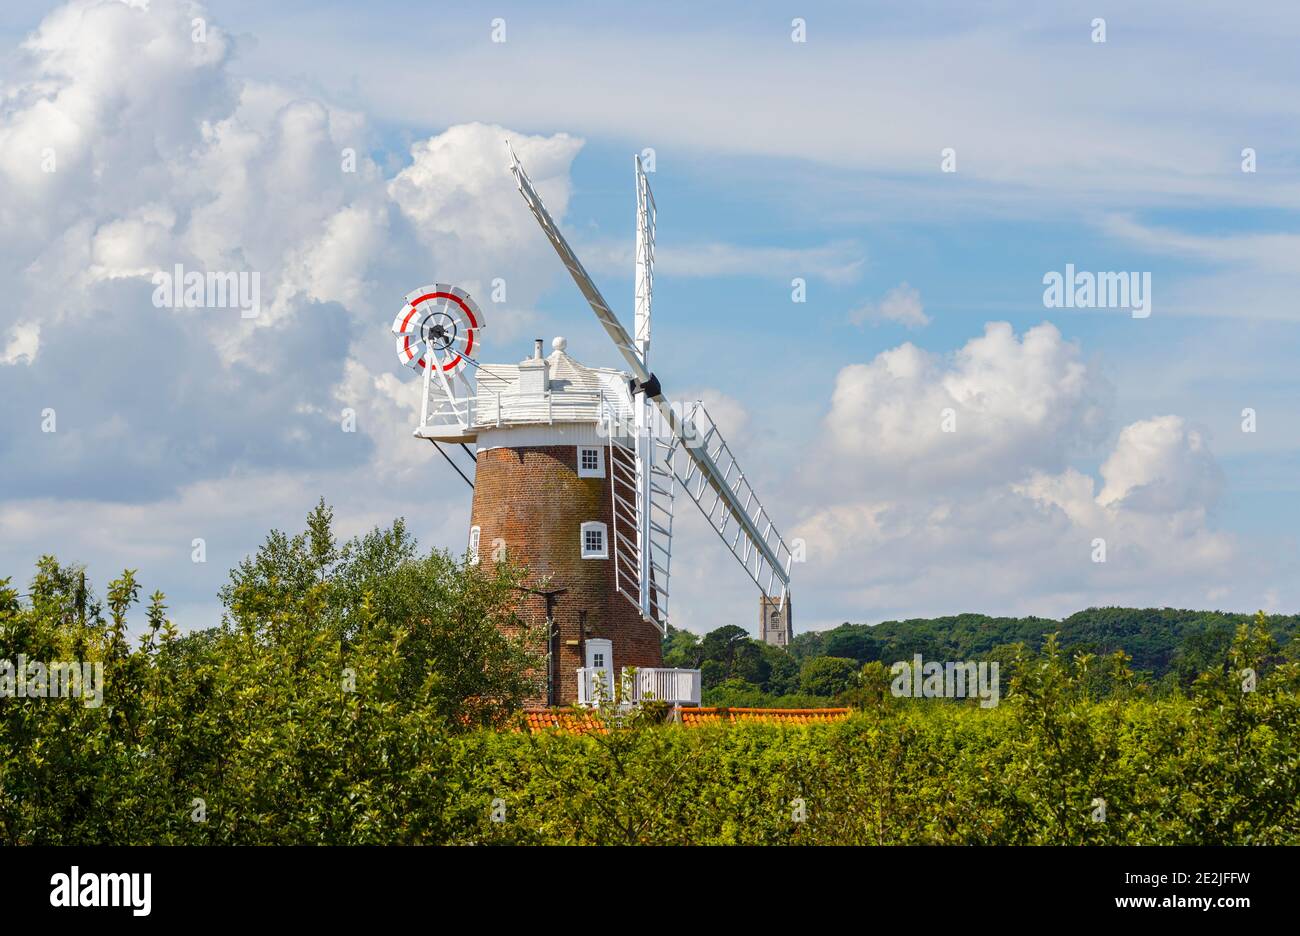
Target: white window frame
599, 470
475, 536
604, 540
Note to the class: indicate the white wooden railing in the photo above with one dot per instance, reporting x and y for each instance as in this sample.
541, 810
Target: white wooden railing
639, 684
675, 686
489, 408
595, 686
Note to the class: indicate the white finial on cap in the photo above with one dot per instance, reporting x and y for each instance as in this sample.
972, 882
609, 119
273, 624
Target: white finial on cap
559, 344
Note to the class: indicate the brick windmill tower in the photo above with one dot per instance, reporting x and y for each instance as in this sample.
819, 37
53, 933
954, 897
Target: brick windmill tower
575, 472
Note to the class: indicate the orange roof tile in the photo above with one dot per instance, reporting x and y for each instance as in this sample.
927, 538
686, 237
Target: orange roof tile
701, 716
561, 720
536, 720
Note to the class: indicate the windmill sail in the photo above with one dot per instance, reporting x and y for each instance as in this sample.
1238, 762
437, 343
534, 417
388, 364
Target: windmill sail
702, 463
642, 489
654, 484
699, 460
645, 260
604, 313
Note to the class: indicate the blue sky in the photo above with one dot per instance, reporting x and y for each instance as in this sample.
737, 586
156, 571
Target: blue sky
774, 160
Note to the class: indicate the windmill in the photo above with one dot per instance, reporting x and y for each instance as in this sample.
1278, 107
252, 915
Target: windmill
576, 471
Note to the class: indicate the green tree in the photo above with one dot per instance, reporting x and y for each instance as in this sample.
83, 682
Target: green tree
722, 644
827, 676
322, 709
783, 670
681, 649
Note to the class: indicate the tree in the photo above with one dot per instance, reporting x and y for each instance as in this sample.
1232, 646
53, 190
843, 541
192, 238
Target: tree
721, 644
712, 673
854, 641
324, 707
1201, 652
827, 676
751, 664
806, 645
455, 616
783, 670
251, 733
875, 679
681, 649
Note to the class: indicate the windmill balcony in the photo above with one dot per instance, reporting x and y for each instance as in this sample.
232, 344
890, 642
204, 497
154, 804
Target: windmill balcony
643, 684
445, 418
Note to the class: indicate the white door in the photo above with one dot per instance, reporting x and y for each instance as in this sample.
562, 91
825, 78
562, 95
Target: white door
600, 661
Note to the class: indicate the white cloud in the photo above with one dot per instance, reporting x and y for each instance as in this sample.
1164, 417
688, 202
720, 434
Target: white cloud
1024, 548
454, 185
1238, 275
729, 414
460, 201
136, 245
1268, 253
164, 156
1160, 466
1012, 402
903, 519
107, 86
1008, 127
23, 342
902, 304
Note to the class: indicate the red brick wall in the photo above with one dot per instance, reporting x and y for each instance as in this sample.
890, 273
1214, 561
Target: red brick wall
534, 500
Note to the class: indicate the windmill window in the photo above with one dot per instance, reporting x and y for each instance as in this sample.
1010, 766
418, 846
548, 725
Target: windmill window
474, 533
594, 542
591, 461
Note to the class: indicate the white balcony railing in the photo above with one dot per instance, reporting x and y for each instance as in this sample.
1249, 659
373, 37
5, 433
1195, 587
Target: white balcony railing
595, 686
488, 409
675, 686
639, 684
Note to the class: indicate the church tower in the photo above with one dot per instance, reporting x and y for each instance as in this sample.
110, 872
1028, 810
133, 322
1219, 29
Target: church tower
774, 617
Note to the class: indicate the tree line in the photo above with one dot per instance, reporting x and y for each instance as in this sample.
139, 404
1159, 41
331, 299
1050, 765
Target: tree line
1168, 649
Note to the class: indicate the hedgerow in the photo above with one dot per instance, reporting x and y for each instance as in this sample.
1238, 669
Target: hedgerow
365, 694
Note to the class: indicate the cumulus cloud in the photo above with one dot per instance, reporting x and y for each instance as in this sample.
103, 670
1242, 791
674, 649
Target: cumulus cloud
1000, 403
905, 518
162, 158
126, 148
452, 189
1160, 466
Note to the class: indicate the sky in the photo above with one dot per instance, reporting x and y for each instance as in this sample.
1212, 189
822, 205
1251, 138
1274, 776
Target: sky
859, 205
